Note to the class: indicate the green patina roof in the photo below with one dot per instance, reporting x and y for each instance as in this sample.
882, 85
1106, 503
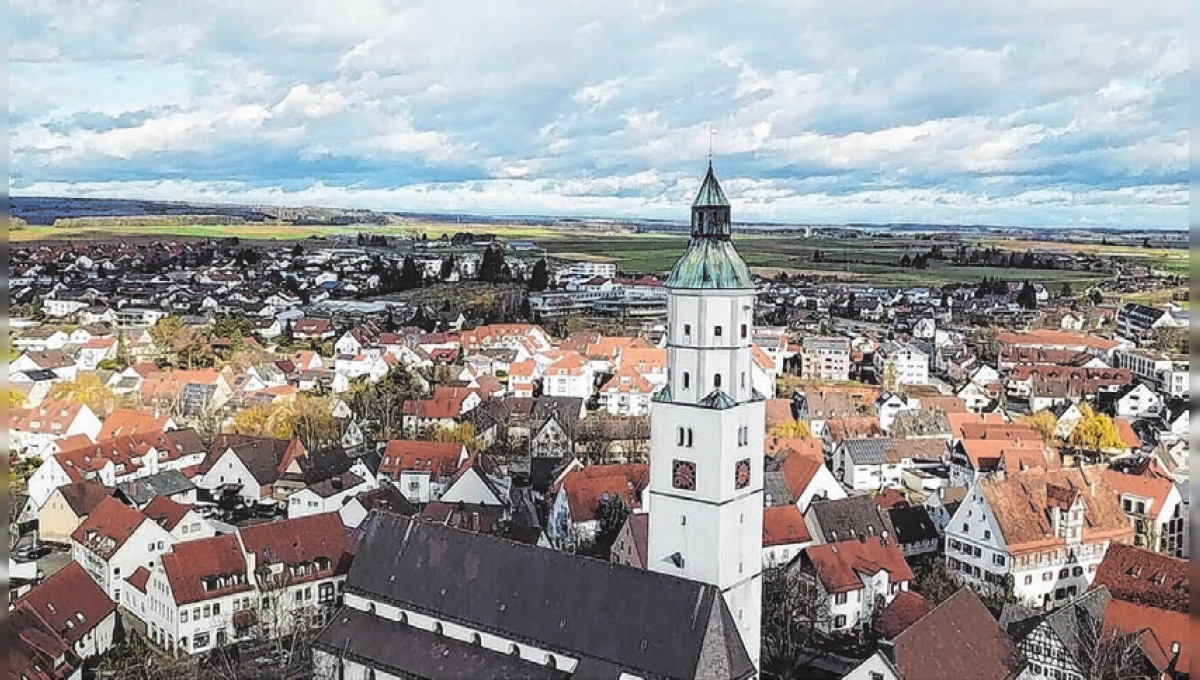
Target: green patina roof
710, 192
718, 400
710, 263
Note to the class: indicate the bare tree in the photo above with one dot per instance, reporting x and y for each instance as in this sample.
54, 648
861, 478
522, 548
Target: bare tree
1111, 654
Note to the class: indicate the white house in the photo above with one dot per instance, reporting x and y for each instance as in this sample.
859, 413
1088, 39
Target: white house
909, 364
1047, 531
1138, 401
421, 470
326, 496
32, 430
76, 608
114, 541
569, 376
852, 580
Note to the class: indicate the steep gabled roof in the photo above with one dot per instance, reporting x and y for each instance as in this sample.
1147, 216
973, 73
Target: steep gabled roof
217, 561
655, 625
1145, 577
838, 565
108, 527
957, 640
70, 602
1021, 506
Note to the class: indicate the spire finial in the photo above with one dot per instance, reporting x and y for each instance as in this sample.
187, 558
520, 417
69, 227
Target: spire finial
711, 131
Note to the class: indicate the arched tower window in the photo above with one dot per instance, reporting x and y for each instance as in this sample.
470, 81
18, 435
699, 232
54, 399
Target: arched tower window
687, 380
717, 380
680, 437
689, 437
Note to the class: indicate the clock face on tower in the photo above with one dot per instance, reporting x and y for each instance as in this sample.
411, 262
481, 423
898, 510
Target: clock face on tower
742, 474
683, 475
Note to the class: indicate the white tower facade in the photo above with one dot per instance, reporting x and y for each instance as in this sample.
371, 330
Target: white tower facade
707, 424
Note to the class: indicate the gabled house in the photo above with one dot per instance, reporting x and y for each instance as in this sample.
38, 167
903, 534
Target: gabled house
67, 507
478, 482
182, 521
421, 470
248, 467
853, 517
1152, 502
326, 496
59, 624
573, 520
957, 640
852, 580
1043, 532
114, 541
784, 534
32, 430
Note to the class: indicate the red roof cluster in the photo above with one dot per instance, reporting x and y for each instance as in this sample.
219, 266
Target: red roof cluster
838, 565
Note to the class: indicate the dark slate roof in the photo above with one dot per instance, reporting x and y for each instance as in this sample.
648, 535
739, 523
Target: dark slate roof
912, 524
870, 451
858, 514
166, 483
775, 489
406, 651
655, 625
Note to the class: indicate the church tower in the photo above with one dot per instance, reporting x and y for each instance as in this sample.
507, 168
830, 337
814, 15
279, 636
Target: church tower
707, 424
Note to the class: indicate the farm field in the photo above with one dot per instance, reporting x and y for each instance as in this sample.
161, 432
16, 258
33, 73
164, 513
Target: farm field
871, 260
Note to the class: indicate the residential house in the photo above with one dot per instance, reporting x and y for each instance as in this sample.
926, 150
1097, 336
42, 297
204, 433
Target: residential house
1152, 502
1150, 592
326, 496
32, 430
570, 375
73, 613
573, 520
853, 579
67, 507
785, 534
853, 517
957, 640
1044, 532
916, 532
247, 467
421, 470
183, 522
125, 421
114, 541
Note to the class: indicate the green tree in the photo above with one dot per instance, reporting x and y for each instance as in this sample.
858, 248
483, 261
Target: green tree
492, 267
409, 276
1027, 298
540, 278
936, 582
611, 515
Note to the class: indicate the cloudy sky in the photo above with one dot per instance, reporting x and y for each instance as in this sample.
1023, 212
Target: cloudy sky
1064, 112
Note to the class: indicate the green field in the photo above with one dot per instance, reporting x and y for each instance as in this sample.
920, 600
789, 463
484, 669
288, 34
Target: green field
874, 260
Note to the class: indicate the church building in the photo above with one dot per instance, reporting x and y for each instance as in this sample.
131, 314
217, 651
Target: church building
423, 600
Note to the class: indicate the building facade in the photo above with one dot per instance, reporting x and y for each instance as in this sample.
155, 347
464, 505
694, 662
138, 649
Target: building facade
707, 424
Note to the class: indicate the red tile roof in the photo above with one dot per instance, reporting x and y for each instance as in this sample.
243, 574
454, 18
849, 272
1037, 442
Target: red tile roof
784, 525
301, 541
799, 468
165, 512
1054, 339
838, 565
779, 411
441, 459
1170, 628
1021, 506
587, 487
108, 527
71, 602
50, 417
1144, 577
217, 561
958, 640
903, 611
123, 421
